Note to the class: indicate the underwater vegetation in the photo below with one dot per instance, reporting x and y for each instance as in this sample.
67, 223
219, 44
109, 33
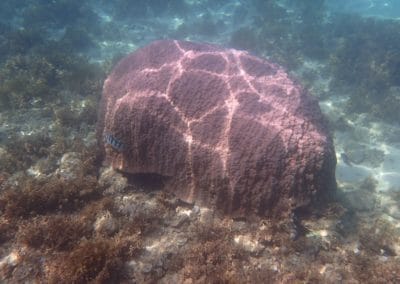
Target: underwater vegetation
47, 15
367, 58
37, 67
244, 38
24, 79
273, 30
276, 35
362, 54
36, 217
51, 179
310, 32
98, 239
145, 8
39, 79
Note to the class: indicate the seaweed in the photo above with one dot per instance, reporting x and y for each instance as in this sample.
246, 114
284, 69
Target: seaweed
77, 39
96, 259
310, 32
22, 41
379, 238
7, 230
23, 151
244, 38
57, 14
362, 54
37, 197
44, 232
27, 80
125, 8
371, 48
92, 260
76, 113
275, 35
36, 71
46, 74
210, 258
24, 79
55, 219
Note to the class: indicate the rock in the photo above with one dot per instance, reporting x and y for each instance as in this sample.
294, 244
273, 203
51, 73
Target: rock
361, 154
248, 244
136, 205
390, 205
195, 211
225, 129
206, 216
6, 159
179, 221
360, 200
112, 181
71, 166
105, 224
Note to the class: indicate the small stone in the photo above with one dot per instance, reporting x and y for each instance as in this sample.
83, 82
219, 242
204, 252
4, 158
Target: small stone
356, 156
105, 223
71, 166
248, 244
195, 210
179, 221
331, 274
146, 268
172, 278
239, 225
360, 200
183, 211
181, 241
12, 259
206, 216
113, 181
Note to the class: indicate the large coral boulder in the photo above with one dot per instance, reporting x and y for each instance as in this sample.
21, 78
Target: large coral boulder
224, 128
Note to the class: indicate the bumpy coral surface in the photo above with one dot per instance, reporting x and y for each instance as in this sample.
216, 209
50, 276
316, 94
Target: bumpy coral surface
224, 128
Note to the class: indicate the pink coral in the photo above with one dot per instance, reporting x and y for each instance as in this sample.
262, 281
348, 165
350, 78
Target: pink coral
226, 129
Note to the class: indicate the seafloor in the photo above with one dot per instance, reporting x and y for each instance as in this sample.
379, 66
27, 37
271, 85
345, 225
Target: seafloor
66, 219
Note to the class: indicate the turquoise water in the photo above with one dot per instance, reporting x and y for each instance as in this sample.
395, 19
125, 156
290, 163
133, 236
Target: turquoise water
374, 8
54, 58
